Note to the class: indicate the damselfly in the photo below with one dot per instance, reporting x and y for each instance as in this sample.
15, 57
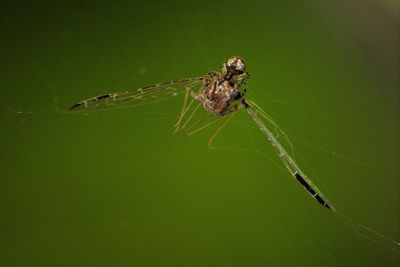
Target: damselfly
221, 92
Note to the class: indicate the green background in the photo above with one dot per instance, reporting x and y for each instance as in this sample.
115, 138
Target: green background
117, 188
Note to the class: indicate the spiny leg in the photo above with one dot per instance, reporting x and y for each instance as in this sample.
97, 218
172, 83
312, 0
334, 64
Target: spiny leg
228, 114
205, 126
192, 125
183, 110
191, 115
228, 118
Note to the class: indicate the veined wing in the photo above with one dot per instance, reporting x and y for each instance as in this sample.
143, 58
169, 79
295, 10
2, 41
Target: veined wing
138, 96
258, 115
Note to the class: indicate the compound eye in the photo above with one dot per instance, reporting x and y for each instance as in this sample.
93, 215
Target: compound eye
236, 64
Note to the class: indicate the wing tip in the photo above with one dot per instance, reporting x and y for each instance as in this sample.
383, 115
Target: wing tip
75, 107
329, 206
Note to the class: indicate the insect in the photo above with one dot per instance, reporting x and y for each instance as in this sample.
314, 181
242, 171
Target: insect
221, 92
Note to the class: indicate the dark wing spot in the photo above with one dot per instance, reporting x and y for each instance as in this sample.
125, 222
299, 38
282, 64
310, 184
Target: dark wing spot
320, 200
329, 207
75, 106
312, 192
102, 97
304, 183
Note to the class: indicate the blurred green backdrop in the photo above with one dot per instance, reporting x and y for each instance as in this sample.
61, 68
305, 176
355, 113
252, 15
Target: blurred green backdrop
117, 188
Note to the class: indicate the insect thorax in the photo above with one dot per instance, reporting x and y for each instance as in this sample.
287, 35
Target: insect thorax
218, 95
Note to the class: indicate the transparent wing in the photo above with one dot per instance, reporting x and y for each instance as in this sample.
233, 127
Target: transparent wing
261, 119
138, 96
